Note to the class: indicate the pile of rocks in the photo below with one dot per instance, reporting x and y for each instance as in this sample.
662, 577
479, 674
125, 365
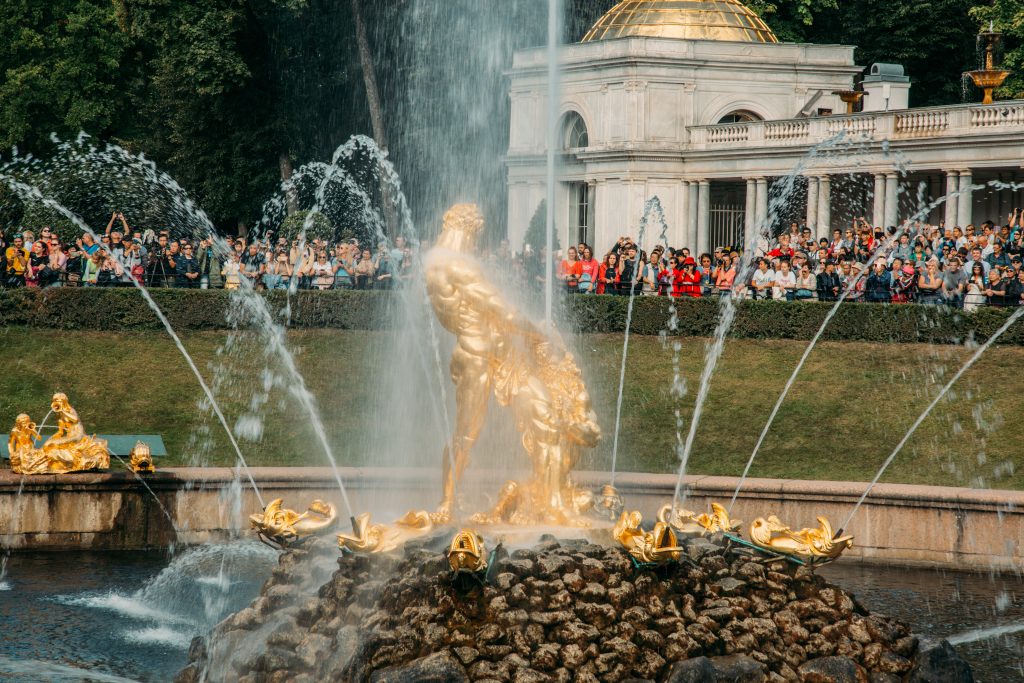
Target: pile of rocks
564, 611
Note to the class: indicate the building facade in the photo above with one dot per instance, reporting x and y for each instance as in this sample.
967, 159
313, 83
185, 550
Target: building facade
696, 103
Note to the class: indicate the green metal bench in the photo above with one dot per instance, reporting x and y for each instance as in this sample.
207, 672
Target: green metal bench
120, 445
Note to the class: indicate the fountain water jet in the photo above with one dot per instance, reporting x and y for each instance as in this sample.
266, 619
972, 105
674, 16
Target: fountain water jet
652, 208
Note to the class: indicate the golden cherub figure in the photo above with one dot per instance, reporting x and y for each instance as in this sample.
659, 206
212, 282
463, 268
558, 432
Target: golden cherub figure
70, 449
501, 353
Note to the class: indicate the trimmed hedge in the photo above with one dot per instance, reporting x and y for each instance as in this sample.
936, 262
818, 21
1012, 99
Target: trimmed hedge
124, 309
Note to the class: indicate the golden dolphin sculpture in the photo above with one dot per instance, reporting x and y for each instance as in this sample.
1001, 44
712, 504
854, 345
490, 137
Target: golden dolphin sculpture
141, 458
467, 552
283, 526
687, 522
70, 449
809, 545
652, 547
383, 538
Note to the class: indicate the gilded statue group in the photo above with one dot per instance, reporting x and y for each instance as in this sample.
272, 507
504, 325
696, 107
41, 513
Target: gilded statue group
69, 449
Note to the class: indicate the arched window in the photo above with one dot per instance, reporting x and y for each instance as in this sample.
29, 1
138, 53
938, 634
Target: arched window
739, 116
575, 132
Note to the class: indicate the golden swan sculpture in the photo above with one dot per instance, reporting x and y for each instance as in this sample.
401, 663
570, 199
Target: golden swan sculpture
282, 526
809, 545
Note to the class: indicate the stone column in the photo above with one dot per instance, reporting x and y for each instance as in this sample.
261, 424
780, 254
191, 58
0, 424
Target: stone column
704, 217
761, 210
679, 233
692, 210
892, 206
824, 207
878, 214
811, 221
750, 226
952, 186
965, 202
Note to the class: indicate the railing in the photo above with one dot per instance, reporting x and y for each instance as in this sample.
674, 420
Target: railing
932, 122
787, 130
730, 132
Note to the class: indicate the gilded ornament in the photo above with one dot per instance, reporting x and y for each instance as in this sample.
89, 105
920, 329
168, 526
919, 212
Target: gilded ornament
690, 523
649, 547
609, 503
141, 459
281, 526
69, 449
467, 553
812, 546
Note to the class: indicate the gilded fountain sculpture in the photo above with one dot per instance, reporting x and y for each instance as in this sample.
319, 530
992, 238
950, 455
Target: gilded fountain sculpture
69, 449
503, 356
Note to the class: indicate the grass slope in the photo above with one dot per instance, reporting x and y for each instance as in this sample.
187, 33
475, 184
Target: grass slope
849, 407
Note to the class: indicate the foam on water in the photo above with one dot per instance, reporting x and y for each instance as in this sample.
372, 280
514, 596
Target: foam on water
123, 605
39, 670
160, 635
5, 586
186, 598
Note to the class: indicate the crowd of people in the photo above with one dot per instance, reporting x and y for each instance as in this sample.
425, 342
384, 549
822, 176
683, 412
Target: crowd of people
123, 257
920, 263
963, 267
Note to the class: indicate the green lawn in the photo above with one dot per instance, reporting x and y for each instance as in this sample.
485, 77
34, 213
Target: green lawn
849, 407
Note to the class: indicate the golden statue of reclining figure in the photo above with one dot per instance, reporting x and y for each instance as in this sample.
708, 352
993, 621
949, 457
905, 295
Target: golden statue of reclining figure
70, 449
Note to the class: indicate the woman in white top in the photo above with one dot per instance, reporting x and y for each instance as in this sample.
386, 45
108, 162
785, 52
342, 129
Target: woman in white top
762, 281
976, 286
322, 271
785, 282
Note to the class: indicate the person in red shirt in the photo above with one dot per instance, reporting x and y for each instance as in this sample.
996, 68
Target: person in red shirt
690, 280
608, 283
590, 271
784, 250
570, 269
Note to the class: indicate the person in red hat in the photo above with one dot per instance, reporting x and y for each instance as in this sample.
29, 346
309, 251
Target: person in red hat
690, 281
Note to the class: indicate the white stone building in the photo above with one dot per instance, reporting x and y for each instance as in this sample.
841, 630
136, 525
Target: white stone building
695, 101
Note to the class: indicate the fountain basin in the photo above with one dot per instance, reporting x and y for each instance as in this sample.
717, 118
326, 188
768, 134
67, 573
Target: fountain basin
955, 528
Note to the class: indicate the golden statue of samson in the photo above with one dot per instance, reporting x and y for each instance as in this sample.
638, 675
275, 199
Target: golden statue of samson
501, 353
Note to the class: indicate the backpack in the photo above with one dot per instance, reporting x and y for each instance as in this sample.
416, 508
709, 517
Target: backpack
586, 284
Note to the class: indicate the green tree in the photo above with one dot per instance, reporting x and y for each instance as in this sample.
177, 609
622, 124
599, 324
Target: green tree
210, 118
1007, 16
790, 19
933, 40
62, 69
536, 232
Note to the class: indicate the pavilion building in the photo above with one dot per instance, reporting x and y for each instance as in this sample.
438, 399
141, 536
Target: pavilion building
696, 102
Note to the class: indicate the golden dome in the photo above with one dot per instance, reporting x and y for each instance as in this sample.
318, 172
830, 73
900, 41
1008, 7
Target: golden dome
683, 19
